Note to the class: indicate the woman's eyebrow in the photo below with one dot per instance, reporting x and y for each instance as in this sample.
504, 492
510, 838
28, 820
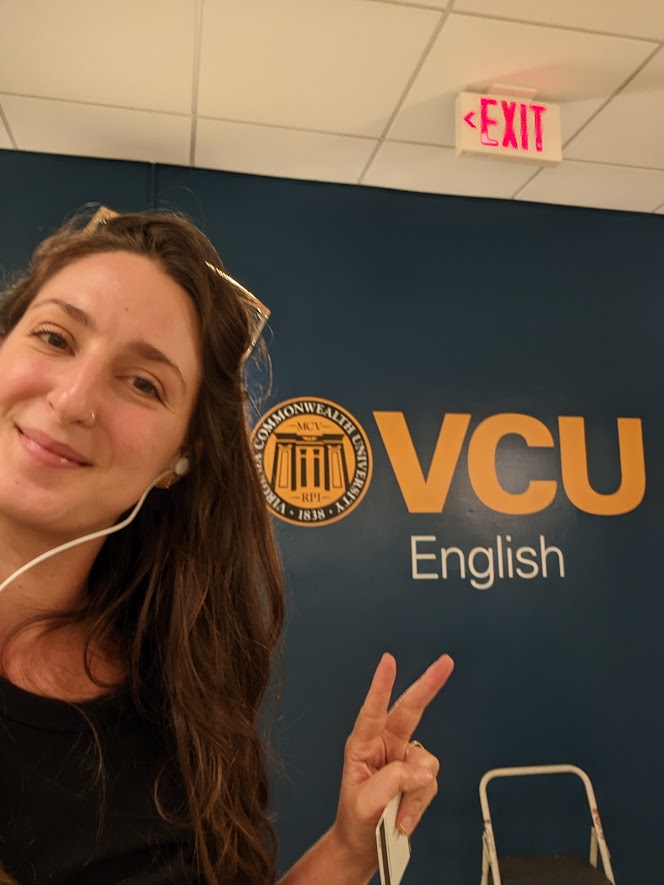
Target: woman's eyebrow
151, 353
140, 347
74, 312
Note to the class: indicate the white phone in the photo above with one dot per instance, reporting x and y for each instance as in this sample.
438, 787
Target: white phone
393, 846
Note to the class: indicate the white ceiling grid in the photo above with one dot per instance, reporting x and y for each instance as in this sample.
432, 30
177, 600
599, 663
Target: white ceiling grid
353, 91
5, 140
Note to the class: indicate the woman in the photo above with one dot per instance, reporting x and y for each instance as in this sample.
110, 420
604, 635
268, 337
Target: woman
134, 666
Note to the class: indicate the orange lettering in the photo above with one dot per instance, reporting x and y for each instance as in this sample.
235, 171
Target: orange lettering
422, 495
574, 463
482, 464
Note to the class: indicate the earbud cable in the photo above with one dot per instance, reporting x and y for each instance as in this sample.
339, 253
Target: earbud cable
91, 537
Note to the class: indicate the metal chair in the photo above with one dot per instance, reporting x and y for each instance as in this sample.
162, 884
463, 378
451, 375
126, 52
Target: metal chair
551, 869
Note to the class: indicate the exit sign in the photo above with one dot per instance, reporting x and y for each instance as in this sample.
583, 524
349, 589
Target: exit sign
508, 126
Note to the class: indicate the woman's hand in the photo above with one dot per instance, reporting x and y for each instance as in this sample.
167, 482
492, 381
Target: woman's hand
380, 760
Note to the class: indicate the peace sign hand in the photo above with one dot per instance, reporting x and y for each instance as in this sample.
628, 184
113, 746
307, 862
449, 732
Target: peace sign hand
380, 761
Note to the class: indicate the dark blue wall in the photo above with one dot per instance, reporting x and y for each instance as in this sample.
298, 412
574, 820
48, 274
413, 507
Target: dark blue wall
427, 305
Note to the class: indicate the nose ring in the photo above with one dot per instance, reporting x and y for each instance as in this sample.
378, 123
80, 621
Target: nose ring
90, 420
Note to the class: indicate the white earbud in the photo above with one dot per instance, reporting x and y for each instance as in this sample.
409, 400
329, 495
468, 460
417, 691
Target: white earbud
182, 466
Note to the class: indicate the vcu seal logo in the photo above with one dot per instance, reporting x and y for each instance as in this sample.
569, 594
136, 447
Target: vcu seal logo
314, 460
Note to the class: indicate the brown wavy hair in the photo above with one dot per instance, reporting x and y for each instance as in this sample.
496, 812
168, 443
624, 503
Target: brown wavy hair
192, 592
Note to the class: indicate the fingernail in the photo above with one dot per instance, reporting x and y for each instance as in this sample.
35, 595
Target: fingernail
406, 826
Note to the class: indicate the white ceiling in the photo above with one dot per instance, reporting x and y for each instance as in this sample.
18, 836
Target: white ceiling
354, 91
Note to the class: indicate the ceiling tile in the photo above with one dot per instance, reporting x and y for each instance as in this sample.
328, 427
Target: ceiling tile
60, 127
630, 129
575, 69
329, 65
285, 153
128, 53
597, 185
437, 170
636, 18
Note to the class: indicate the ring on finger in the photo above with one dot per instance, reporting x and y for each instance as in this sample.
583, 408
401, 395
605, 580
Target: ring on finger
412, 744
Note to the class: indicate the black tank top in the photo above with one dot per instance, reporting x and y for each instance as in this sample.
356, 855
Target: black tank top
62, 823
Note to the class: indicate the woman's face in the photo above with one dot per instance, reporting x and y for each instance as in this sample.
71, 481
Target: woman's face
97, 385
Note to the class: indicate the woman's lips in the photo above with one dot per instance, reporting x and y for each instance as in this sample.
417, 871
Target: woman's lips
49, 451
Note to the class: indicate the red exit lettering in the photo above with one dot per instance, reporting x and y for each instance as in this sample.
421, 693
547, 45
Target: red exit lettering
517, 129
